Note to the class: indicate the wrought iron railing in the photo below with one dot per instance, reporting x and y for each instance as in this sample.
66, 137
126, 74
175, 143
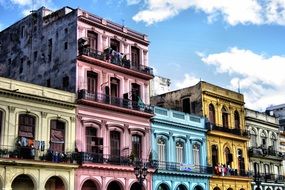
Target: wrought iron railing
115, 58
125, 160
262, 151
120, 102
267, 177
235, 131
174, 166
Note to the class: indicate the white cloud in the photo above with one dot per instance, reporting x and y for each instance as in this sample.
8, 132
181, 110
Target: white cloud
260, 78
233, 12
189, 80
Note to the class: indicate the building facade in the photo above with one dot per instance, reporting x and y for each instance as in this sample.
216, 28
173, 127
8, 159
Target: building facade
226, 138
159, 85
264, 151
106, 65
37, 137
179, 151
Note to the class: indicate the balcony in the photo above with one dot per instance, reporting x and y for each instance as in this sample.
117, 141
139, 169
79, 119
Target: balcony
31, 154
180, 167
267, 178
239, 132
220, 170
116, 58
115, 101
265, 152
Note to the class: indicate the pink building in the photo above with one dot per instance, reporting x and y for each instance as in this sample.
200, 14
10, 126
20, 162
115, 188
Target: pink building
106, 65
113, 126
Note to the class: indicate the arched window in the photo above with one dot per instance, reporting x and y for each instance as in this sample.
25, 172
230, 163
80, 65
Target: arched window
181, 187
229, 156
137, 146
163, 187
57, 135
27, 124
196, 154
253, 138
225, 118
161, 150
237, 120
216, 188
179, 152
263, 139
215, 157
212, 116
273, 142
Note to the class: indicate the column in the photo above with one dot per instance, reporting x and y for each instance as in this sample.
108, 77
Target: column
188, 150
100, 43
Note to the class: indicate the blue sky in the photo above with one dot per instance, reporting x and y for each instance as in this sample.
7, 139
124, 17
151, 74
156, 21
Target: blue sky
230, 43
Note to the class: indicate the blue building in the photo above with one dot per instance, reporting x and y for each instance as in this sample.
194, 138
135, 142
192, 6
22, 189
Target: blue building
179, 146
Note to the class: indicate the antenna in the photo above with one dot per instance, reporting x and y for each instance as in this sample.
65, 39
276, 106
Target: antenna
238, 86
123, 22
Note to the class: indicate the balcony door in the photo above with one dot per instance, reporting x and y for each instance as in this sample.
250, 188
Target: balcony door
115, 143
241, 165
115, 45
115, 87
92, 40
135, 57
135, 92
212, 116
215, 158
92, 82
225, 118
137, 146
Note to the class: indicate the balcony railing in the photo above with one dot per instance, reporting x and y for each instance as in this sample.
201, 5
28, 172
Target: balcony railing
120, 102
116, 58
234, 131
266, 177
174, 166
27, 153
262, 152
126, 160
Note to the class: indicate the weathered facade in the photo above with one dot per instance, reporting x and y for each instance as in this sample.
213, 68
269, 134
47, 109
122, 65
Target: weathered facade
179, 151
37, 137
227, 138
159, 85
264, 151
106, 65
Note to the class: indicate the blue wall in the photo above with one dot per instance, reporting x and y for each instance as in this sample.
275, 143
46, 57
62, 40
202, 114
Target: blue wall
175, 126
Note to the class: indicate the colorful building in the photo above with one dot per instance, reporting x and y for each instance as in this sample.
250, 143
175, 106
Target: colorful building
179, 151
37, 136
264, 151
106, 65
226, 138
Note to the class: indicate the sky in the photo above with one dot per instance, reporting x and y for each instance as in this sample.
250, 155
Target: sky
235, 44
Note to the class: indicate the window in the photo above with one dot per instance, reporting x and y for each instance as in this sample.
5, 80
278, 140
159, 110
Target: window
57, 135
229, 156
91, 82
35, 55
49, 50
161, 150
135, 92
1, 124
48, 82
186, 105
27, 124
137, 146
253, 138
263, 139
214, 155
273, 142
241, 165
196, 154
237, 120
135, 53
115, 87
115, 143
65, 82
94, 144
179, 152
22, 31
65, 45
225, 118
92, 40
212, 117
115, 45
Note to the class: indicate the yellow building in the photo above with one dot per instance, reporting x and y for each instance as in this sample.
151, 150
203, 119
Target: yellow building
226, 137
37, 137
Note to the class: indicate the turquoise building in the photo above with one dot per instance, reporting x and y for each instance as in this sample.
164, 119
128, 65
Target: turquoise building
179, 150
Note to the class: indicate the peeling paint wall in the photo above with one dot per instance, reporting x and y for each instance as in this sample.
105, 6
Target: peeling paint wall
41, 49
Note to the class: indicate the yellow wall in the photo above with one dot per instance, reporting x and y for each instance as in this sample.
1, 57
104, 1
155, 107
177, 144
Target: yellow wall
45, 104
232, 101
